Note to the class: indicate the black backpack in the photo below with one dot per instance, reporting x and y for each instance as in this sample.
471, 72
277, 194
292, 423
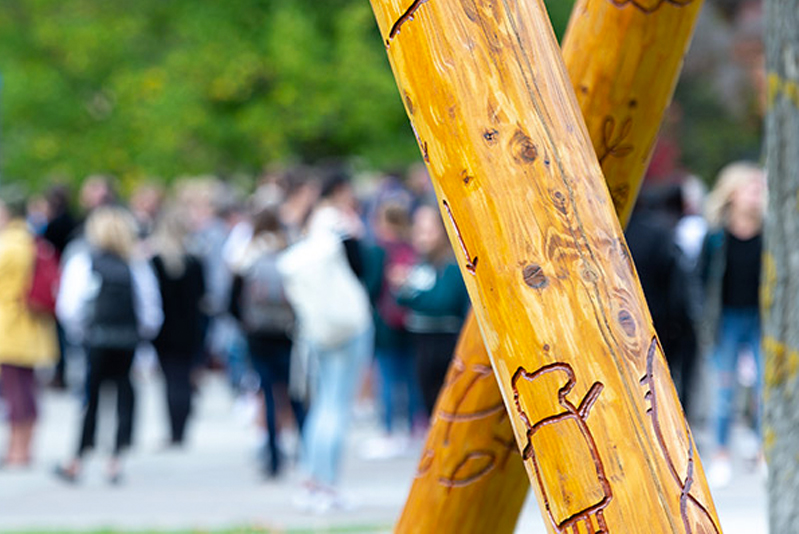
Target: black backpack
111, 321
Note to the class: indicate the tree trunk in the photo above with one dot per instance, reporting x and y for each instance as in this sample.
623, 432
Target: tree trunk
644, 58
780, 285
595, 415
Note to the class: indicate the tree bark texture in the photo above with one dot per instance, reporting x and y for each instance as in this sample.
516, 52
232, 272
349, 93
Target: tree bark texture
780, 284
580, 369
623, 90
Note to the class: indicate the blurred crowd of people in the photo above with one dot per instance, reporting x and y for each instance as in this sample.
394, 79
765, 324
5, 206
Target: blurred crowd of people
311, 283
297, 289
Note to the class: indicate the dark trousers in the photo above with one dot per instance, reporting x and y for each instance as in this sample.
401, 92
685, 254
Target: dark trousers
18, 388
108, 366
60, 375
177, 376
433, 355
271, 360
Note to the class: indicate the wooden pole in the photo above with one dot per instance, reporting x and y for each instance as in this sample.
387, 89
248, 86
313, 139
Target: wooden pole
623, 119
543, 258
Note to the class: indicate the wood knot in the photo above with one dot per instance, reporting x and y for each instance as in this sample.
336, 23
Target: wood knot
523, 148
626, 322
409, 104
559, 200
588, 274
534, 276
491, 136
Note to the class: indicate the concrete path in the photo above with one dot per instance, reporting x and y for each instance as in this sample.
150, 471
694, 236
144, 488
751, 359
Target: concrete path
214, 483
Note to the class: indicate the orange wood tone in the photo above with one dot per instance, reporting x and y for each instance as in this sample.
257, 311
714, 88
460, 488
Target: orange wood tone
624, 58
637, 105
595, 414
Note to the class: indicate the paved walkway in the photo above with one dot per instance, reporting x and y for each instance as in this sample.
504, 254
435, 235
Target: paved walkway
214, 484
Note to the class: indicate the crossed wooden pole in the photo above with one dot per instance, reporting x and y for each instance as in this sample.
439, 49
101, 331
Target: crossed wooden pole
584, 394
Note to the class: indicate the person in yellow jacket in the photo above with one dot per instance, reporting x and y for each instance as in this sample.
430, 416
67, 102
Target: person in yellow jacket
27, 340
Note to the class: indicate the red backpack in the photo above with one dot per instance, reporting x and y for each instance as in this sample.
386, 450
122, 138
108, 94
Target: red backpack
46, 277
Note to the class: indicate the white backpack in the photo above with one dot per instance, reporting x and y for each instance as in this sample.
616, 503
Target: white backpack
330, 302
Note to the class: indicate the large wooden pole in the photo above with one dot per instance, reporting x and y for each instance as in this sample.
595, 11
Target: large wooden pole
622, 92
547, 269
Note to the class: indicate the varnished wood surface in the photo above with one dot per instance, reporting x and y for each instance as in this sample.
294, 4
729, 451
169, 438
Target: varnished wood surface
659, 40
506, 166
624, 59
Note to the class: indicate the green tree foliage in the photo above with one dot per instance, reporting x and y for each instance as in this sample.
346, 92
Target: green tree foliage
163, 88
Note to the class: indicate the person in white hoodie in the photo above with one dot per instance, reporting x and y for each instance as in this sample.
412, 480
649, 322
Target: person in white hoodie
108, 303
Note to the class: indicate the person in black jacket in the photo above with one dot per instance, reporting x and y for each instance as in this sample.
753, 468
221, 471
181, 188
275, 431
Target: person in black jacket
665, 280
108, 303
182, 286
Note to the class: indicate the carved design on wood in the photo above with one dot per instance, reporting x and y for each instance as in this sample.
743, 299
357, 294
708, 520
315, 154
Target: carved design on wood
620, 195
475, 464
471, 262
406, 16
425, 463
613, 141
455, 468
695, 515
480, 372
651, 6
573, 484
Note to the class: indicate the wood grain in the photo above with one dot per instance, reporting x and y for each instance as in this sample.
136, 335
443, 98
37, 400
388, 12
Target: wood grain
521, 221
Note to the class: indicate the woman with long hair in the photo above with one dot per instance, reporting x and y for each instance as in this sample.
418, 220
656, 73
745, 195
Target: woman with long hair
730, 269
179, 343
109, 302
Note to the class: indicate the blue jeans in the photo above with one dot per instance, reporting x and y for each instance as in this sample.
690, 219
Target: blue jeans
738, 327
337, 381
398, 377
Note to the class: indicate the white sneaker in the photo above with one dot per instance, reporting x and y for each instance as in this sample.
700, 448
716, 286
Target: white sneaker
720, 473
